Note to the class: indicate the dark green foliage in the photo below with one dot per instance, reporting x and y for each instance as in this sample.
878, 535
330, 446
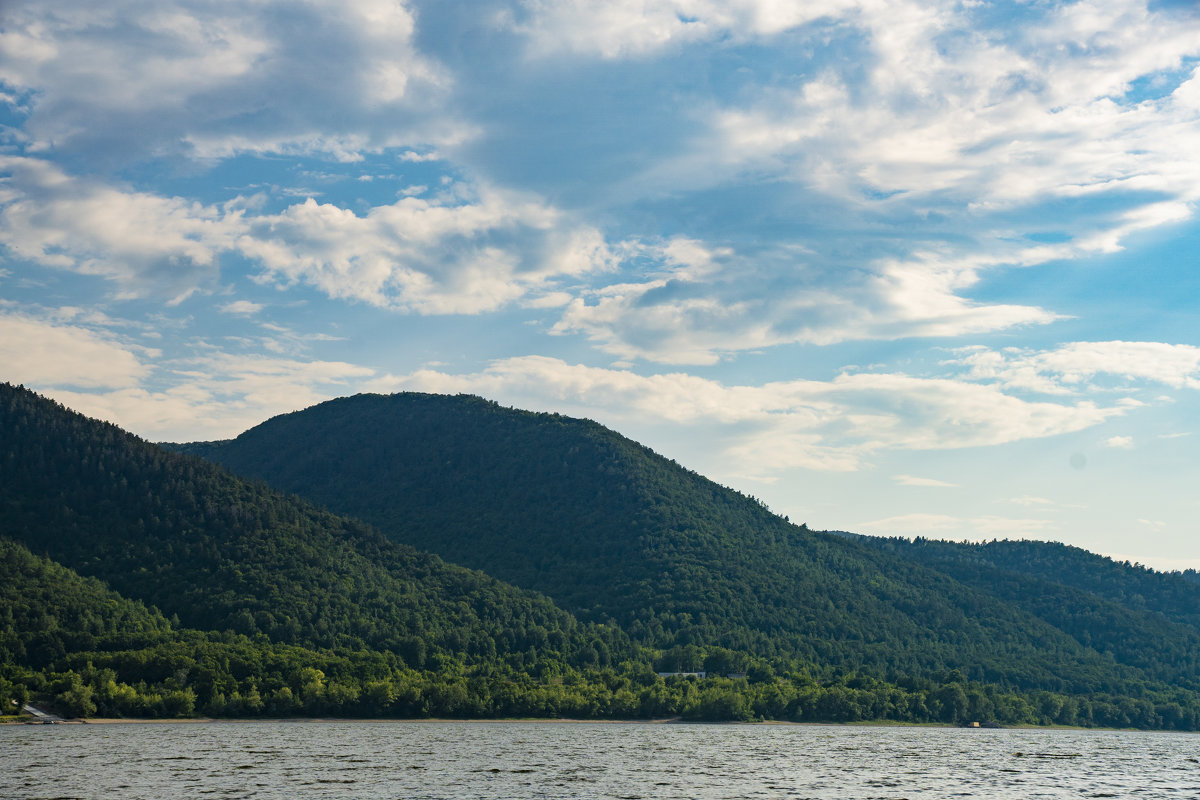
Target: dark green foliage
1136, 616
610, 530
222, 554
47, 611
280, 609
139, 665
1174, 595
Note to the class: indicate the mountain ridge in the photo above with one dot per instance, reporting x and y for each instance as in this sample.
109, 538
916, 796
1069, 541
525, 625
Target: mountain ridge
228, 598
611, 530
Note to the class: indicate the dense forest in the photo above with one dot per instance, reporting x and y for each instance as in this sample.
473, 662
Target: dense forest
614, 532
137, 581
1129, 612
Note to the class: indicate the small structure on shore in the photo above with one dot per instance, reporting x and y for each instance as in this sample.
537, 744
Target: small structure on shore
44, 717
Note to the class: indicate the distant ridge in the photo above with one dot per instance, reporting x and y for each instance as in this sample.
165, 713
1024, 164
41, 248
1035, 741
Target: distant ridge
1137, 615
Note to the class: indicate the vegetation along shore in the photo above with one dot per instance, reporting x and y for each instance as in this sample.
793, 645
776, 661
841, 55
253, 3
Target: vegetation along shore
422, 556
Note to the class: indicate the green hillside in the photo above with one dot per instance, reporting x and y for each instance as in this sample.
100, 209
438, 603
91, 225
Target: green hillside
49, 611
72, 645
610, 530
1174, 595
140, 582
1138, 616
187, 537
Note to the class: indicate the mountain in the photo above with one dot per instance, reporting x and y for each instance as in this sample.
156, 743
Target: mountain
82, 501
612, 531
1132, 613
1173, 595
73, 644
49, 611
221, 553
137, 581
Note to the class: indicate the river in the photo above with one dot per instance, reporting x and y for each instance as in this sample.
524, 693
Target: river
444, 760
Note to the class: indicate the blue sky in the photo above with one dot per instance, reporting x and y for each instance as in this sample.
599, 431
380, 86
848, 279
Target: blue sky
905, 268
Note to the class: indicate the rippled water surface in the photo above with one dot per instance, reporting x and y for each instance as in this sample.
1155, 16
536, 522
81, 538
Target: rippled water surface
580, 760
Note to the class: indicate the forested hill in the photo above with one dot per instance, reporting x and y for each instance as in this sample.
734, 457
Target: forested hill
610, 530
73, 645
1174, 595
1138, 616
221, 553
140, 582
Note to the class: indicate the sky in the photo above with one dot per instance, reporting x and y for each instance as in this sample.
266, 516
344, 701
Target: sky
899, 267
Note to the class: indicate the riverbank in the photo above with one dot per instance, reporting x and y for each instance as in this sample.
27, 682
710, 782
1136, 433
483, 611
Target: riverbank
436, 720
883, 723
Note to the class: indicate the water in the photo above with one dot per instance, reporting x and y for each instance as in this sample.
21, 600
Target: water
436, 760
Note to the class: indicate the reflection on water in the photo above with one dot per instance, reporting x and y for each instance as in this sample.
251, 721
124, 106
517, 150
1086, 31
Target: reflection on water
581, 760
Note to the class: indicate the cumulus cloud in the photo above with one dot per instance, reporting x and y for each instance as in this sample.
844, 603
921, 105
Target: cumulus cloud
96, 365
44, 352
896, 152
465, 251
951, 108
944, 142
633, 28
686, 315
137, 239
449, 255
760, 431
210, 80
1119, 442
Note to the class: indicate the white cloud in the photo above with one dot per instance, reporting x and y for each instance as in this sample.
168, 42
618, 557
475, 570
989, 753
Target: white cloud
695, 311
912, 480
993, 116
1119, 442
214, 396
41, 352
1030, 500
759, 431
72, 356
196, 78
981, 139
242, 307
835, 425
1175, 365
1075, 365
463, 252
887, 121
137, 239
451, 255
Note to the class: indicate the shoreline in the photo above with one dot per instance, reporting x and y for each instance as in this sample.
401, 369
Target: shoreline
554, 721
474, 721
